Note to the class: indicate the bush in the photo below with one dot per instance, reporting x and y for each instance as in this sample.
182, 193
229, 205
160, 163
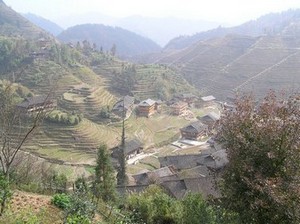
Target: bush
61, 201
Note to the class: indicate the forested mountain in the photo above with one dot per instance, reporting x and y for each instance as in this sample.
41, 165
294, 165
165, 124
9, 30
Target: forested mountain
45, 24
126, 43
270, 24
13, 24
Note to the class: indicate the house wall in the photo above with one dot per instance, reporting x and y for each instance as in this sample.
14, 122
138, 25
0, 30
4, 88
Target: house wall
192, 135
146, 110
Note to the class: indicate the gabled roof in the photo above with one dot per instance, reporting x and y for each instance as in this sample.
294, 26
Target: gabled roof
132, 145
182, 161
196, 126
215, 160
203, 185
164, 173
147, 102
31, 101
128, 102
212, 115
208, 98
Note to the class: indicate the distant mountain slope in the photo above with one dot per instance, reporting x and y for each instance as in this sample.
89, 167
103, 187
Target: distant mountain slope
13, 24
45, 24
162, 30
127, 43
270, 24
224, 66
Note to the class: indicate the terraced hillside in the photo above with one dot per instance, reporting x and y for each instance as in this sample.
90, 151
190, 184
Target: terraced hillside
144, 81
222, 67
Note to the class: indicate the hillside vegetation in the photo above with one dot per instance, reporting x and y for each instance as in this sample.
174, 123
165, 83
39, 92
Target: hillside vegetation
113, 39
13, 24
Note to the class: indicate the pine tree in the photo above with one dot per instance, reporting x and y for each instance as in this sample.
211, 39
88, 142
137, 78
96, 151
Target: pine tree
104, 184
121, 176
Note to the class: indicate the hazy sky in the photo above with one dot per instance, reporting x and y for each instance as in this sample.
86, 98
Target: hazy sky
224, 11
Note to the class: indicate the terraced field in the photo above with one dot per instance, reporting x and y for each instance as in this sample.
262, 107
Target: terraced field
222, 67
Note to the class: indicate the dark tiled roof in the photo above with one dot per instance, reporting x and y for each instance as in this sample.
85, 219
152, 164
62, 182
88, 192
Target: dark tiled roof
215, 160
182, 161
211, 116
202, 185
128, 102
175, 188
196, 126
35, 100
159, 175
132, 145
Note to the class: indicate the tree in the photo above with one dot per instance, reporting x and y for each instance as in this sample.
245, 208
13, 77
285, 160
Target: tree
261, 181
122, 178
15, 130
113, 50
104, 183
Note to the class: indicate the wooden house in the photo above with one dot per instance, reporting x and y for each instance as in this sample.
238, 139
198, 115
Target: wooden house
147, 108
206, 101
37, 103
194, 130
132, 148
125, 104
179, 108
210, 119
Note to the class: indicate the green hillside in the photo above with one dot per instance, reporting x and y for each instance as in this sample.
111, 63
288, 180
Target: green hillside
13, 24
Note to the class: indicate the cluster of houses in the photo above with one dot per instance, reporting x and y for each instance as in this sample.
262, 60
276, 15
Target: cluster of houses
181, 174
146, 108
178, 174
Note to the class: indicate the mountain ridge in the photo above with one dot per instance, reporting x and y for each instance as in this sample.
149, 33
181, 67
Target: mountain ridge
127, 43
269, 24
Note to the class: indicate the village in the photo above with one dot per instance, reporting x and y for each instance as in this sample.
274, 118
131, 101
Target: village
192, 162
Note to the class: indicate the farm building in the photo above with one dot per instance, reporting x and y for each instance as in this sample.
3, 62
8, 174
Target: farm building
194, 130
147, 108
210, 119
127, 104
37, 103
179, 108
132, 148
206, 101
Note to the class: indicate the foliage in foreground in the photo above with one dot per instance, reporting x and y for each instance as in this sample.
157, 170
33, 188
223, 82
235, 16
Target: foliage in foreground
261, 181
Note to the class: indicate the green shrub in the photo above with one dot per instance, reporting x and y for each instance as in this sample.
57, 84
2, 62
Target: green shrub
61, 201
